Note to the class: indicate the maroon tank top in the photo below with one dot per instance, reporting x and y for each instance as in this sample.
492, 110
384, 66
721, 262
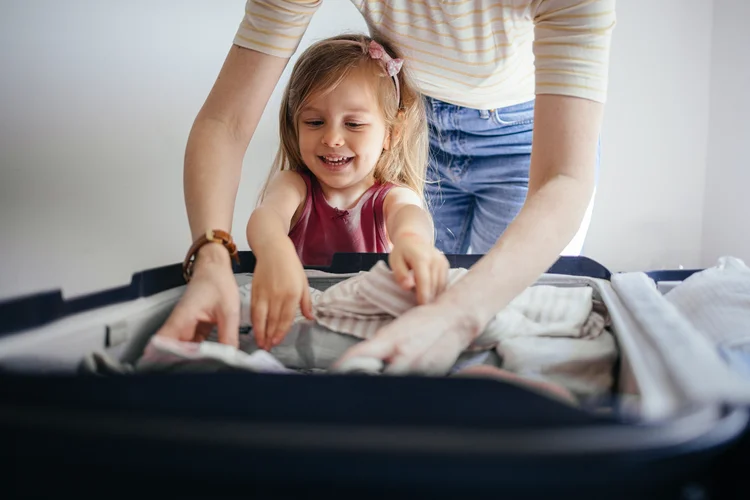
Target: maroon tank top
323, 230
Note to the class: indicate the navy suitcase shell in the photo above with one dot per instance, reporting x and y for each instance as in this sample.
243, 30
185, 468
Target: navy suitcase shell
250, 435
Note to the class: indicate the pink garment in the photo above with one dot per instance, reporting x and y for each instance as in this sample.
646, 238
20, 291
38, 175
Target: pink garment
323, 230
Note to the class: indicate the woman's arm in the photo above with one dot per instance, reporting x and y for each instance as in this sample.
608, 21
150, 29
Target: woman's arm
213, 162
571, 48
220, 136
566, 132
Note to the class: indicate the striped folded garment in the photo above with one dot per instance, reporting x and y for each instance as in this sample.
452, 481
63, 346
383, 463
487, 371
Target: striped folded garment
548, 333
363, 304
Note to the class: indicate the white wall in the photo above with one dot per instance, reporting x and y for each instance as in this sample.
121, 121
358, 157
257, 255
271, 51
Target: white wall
97, 98
649, 203
726, 223
96, 102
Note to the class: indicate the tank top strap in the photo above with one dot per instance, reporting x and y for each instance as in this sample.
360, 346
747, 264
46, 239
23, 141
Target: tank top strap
307, 207
379, 198
307, 177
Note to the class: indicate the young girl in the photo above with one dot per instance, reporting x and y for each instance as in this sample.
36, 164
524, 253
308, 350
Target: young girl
349, 177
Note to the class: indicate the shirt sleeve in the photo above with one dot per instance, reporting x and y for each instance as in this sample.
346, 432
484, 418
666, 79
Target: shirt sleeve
572, 45
275, 27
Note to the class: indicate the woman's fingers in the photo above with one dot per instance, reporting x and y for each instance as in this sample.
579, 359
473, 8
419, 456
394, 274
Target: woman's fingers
286, 316
180, 325
203, 331
228, 323
259, 313
306, 304
272, 323
379, 347
423, 278
440, 276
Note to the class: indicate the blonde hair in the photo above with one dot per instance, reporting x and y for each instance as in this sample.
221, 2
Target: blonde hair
320, 69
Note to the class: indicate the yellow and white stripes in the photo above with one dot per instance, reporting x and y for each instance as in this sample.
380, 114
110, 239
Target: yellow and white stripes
477, 53
275, 27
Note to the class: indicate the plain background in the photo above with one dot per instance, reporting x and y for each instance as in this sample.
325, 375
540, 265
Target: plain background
97, 99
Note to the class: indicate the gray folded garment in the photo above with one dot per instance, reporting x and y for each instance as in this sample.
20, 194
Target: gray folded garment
307, 348
101, 363
310, 346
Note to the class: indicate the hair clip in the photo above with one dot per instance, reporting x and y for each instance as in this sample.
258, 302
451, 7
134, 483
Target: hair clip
392, 66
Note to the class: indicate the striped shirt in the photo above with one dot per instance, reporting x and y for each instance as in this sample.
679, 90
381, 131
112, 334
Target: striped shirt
482, 54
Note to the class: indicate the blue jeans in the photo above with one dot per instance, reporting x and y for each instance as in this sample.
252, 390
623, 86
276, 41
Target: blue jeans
479, 173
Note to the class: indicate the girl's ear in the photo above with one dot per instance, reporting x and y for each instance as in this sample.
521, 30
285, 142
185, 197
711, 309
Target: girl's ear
395, 132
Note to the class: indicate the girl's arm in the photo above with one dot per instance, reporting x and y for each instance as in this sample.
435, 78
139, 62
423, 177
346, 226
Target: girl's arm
415, 261
405, 216
279, 280
270, 222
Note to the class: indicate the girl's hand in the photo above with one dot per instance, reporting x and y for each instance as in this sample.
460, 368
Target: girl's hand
416, 263
279, 286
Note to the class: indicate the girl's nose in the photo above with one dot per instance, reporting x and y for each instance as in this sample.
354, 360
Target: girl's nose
333, 138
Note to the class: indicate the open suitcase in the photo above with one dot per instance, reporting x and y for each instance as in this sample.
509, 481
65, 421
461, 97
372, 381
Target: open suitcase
676, 421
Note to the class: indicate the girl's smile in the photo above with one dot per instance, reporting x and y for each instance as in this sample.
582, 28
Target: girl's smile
342, 134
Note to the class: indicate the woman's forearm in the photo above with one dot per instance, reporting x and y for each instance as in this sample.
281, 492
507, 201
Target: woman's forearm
220, 136
530, 245
561, 184
213, 165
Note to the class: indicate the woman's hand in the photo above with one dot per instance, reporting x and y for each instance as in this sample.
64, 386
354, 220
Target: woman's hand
426, 339
416, 263
211, 298
279, 286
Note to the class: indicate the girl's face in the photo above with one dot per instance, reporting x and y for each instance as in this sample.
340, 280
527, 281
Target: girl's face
343, 133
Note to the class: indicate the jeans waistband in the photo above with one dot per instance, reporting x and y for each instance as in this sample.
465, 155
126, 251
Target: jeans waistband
436, 105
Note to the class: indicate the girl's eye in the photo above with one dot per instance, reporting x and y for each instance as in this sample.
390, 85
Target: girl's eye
314, 123
355, 125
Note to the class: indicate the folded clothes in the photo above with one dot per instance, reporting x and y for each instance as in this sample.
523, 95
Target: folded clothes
364, 303
307, 348
717, 303
555, 336
166, 354
551, 333
585, 367
738, 358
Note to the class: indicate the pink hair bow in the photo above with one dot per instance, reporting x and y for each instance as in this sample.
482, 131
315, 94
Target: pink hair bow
392, 66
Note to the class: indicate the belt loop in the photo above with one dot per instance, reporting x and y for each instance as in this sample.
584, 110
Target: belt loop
484, 114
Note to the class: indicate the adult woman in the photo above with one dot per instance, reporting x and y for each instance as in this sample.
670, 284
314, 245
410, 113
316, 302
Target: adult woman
493, 73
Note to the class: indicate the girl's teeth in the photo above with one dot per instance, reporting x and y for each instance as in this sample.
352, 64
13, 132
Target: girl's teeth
335, 160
